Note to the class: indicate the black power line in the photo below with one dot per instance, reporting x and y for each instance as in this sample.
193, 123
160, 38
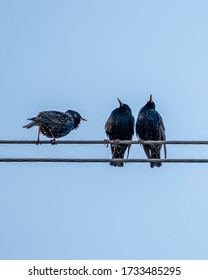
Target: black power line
103, 160
68, 142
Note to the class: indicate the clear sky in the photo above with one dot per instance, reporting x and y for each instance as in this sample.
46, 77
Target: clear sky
82, 55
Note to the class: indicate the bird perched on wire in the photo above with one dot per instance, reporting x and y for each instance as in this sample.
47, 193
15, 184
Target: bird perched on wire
150, 126
54, 124
120, 126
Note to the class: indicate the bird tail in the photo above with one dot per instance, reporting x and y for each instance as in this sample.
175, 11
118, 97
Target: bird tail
155, 153
118, 151
31, 124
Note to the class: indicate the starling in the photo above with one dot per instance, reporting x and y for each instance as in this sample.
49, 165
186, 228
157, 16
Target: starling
54, 124
120, 126
149, 126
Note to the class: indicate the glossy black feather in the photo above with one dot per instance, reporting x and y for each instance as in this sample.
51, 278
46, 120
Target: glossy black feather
120, 126
150, 126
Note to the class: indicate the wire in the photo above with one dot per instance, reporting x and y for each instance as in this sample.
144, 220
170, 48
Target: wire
91, 160
103, 160
105, 142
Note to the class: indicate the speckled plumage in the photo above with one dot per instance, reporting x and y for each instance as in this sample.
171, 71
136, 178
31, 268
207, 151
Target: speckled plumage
120, 126
150, 126
54, 124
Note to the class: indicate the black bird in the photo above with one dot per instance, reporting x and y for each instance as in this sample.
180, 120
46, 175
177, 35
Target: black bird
149, 126
54, 124
120, 126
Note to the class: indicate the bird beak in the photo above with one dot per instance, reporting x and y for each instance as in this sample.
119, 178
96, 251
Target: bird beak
82, 119
150, 98
121, 104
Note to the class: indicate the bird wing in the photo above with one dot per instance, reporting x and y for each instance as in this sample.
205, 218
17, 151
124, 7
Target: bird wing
158, 129
162, 130
109, 126
53, 117
161, 122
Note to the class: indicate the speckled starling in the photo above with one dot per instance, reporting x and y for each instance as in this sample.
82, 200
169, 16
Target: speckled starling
149, 126
120, 126
54, 124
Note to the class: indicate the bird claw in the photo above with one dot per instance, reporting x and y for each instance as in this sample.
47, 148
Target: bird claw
140, 142
106, 142
38, 142
53, 141
116, 141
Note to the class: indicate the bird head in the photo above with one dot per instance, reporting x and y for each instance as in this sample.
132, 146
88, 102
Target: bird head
150, 104
76, 117
123, 107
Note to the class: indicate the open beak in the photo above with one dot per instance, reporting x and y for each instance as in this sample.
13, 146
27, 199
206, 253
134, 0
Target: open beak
120, 103
82, 119
150, 98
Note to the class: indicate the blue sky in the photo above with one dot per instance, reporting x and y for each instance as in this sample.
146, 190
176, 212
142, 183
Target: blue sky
82, 55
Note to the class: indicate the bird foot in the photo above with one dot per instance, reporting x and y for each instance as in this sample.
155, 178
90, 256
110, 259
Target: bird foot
140, 142
106, 142
53, 141
38, 142
116, 141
